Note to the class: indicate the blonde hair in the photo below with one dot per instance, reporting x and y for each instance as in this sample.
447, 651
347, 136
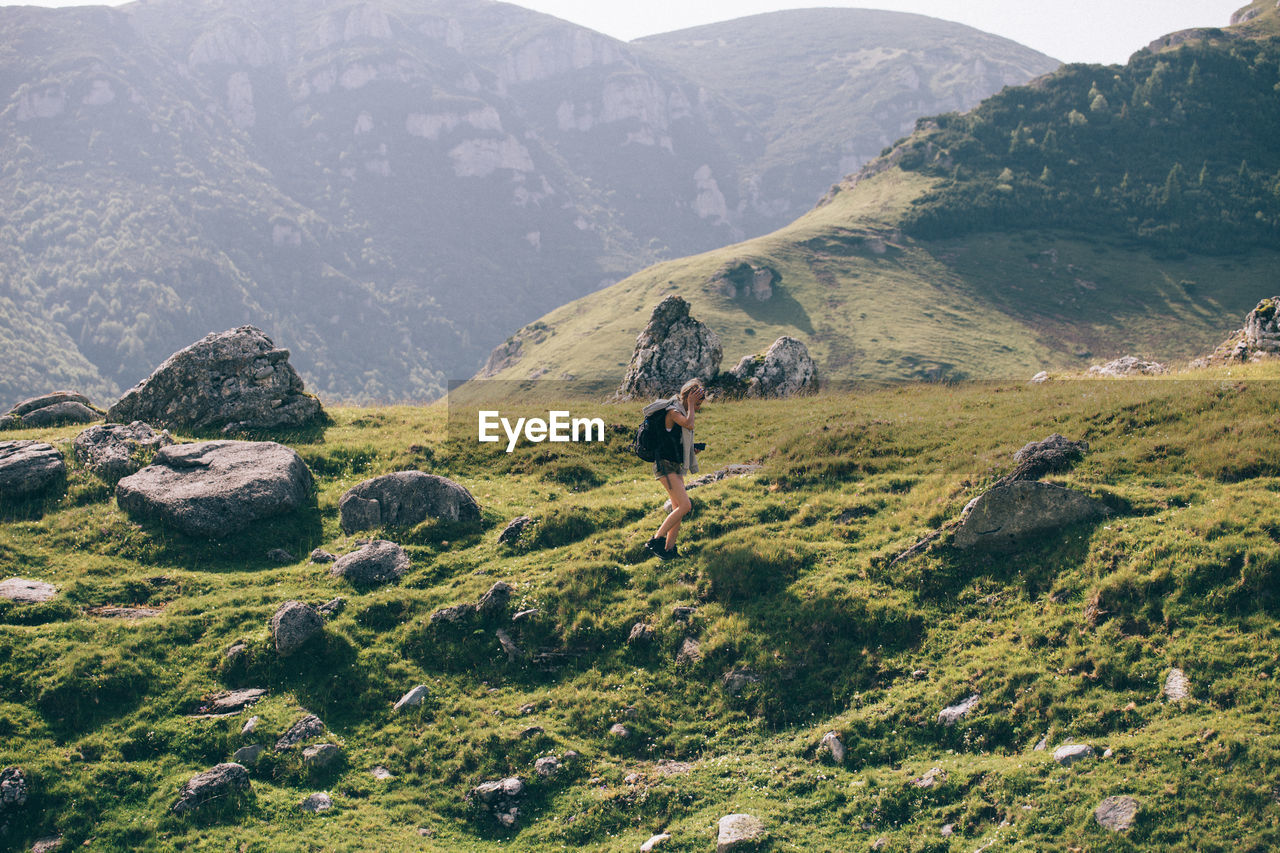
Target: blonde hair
687, 389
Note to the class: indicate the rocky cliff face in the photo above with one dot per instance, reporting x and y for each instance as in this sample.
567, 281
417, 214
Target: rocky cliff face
392, 188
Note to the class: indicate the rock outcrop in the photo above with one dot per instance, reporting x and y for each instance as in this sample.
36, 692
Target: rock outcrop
784, 370
1128, 366
672, 349
304, 729
222, 782
953, 714
1038, 458
28, 468
500, 798
216, 488
744, 280
1258, 339
376, 563
405, 498
236, 380
1008, 515
56, 409
114, 451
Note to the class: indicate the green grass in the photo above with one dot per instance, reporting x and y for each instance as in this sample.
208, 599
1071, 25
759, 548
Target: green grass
791, 576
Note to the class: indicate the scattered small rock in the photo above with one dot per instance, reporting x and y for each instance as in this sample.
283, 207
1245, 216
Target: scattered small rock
457, 614
48, 844
1177, 686
494, 601
947, 830
24, 591
1071, 753
316, 803
880, 844
952, 714
500, 798
1040, 378
235, 651
832, 746
413, 698
547, 767
920, 674
682, 613
112, 612
619, 732
379, 562
381, 773
1042, 744
320, 555
332, 607
216, 783
28, 468
531, 731
13, 791
231, 700
641, 634
690, 652
321, 755
511, 534
249, 726
513, 651
248, 755
740, 832
1117, 813
1107, 753
525, 614
293, 624
281, 556
736, 680
654, 842
308, 727
936, 776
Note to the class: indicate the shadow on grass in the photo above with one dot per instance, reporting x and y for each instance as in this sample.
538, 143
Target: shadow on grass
298, 533
34, 507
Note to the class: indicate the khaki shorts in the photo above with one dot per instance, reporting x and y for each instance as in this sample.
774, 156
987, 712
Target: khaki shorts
664, 467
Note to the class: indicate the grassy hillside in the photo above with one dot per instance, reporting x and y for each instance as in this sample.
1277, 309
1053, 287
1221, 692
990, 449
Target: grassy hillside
789, 571
1096, 212
872, 302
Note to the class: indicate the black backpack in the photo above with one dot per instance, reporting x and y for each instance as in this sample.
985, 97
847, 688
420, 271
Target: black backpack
653, 442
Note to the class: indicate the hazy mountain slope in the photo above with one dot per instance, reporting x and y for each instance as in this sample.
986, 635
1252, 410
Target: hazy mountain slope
1102, 210
827, 90
388, 188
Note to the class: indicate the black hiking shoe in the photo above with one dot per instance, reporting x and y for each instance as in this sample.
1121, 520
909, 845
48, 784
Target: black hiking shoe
671, 553
655, 546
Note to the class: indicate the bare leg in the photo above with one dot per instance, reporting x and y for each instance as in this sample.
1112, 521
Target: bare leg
680, 506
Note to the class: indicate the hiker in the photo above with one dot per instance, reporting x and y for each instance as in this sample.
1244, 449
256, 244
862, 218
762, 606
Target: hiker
679, 460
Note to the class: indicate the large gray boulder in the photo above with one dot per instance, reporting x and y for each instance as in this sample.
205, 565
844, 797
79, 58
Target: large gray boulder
293, 624
233, 380
784, 370
28, 468
405, 498
378, 562
216, 488
217, 783
113, 451
672, 349
1011, 514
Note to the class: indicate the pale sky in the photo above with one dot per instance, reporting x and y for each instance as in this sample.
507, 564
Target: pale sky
1070, 30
